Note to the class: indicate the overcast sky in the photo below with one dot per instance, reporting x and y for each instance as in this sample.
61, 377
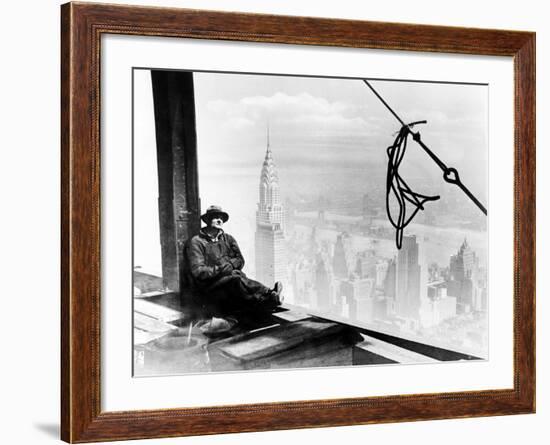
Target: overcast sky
337, 123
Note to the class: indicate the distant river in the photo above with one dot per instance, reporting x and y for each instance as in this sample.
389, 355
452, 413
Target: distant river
437, 243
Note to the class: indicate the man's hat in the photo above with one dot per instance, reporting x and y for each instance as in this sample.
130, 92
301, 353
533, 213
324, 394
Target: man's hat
213, 211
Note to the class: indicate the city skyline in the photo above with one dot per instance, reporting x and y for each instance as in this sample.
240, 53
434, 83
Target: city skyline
404, 293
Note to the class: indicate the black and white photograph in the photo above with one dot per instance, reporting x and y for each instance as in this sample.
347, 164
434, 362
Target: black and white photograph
284, 221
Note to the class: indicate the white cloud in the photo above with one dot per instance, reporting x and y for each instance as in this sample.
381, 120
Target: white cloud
304, 110
238, 123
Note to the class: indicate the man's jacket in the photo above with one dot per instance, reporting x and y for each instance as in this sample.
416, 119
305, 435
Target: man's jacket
212, 259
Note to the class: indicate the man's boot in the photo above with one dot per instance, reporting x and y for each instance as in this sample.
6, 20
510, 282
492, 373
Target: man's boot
277, 293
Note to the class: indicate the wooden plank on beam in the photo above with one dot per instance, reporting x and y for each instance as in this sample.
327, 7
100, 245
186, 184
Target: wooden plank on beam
148, 324
143, 337
157, 311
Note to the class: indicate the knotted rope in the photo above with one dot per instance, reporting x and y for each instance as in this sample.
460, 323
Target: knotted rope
400, 189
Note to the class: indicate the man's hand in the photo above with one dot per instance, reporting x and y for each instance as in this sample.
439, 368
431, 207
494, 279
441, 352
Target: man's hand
225, 269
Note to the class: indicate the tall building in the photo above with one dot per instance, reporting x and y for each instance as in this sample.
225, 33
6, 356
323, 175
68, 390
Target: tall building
313, 247
462, 273
340, 260
359, 293
302, 280
366, 264
463, 263
382, 268
323, 283
438, 309
408, 279
390, 281
271, 263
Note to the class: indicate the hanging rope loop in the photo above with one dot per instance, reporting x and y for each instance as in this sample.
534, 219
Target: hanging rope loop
399, 189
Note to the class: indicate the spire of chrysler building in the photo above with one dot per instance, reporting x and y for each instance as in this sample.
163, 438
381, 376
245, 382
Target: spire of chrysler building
269, 181
270, 241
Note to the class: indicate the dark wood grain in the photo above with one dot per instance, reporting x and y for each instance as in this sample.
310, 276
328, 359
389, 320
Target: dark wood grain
81, 416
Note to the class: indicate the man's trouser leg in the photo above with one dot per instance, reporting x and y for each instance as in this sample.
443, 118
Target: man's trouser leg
250, 294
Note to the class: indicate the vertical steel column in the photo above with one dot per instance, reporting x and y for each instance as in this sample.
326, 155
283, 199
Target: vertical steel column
174, 105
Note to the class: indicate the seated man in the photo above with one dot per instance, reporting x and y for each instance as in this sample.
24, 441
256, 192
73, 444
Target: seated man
215, 265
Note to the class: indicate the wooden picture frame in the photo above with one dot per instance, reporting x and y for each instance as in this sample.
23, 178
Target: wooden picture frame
82, 26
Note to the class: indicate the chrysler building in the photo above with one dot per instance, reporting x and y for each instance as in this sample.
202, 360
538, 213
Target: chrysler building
270, 240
